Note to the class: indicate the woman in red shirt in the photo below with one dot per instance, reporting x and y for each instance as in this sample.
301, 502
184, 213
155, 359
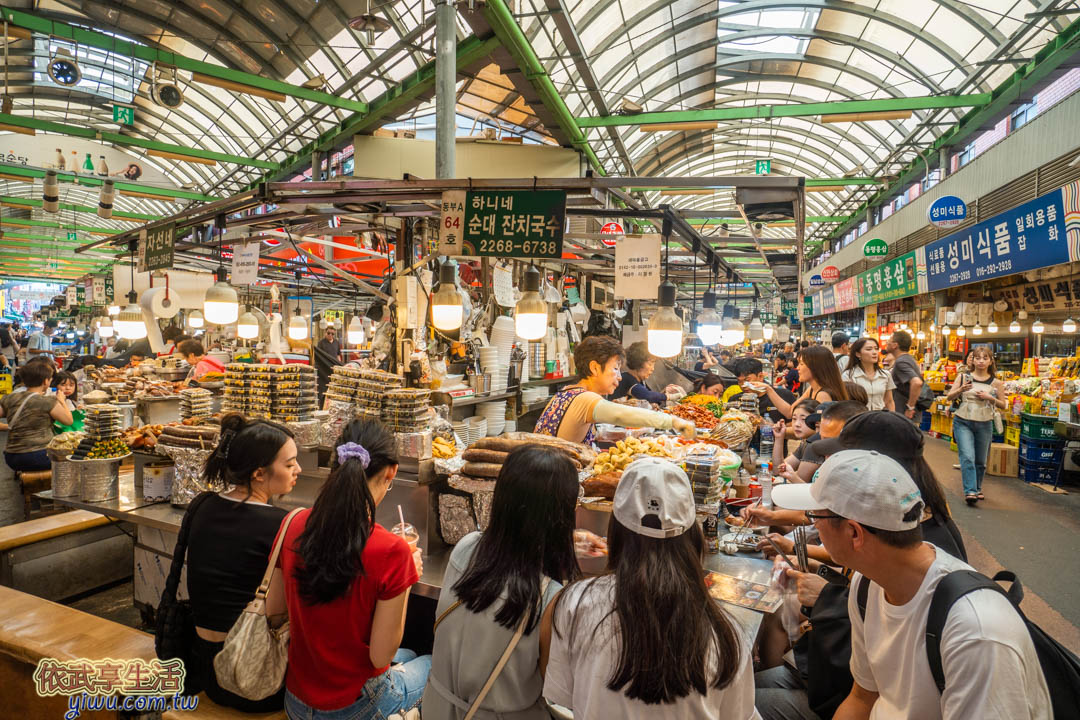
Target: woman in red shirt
347, 582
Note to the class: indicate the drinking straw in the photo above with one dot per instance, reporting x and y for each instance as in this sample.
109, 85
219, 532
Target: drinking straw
401, 515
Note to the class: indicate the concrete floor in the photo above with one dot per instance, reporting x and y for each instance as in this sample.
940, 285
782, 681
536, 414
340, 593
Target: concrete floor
1024, 529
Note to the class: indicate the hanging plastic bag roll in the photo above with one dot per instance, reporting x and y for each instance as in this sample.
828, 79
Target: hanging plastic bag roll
156, 302
153, 332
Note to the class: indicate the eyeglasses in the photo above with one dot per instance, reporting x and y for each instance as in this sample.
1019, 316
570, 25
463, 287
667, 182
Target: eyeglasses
814, 517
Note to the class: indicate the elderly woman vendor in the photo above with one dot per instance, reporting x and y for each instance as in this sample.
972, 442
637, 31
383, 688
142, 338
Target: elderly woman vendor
573, 411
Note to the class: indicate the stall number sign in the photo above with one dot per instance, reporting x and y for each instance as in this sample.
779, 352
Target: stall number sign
98, 283
156, 248
947, 211
72, 296
451, 222
511, 223
637, 267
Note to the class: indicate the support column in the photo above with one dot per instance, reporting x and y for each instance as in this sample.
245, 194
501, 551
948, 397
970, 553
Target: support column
943, 162
445, 90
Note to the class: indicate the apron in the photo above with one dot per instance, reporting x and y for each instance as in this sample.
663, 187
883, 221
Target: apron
551, 419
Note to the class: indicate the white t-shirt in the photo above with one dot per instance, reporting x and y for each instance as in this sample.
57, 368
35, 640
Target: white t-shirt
875, 386
578, 672
991, 669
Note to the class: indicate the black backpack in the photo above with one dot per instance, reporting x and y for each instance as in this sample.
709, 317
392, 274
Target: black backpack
1060, 667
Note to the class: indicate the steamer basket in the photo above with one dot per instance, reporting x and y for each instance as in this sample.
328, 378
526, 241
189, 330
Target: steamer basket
65, 476
99, 480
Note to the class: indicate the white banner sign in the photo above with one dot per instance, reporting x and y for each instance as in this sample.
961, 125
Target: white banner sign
637, 267
99, 290
451, 222
245, 263
72, 296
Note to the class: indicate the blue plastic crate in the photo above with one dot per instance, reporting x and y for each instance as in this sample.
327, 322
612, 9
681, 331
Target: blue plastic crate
1039, 473
1044, 452
925, 422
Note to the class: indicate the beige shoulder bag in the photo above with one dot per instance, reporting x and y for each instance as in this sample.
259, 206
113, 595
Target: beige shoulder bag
252, 663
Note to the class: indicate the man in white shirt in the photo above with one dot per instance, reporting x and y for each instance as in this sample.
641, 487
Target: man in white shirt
866, 509
841, 346
40, 343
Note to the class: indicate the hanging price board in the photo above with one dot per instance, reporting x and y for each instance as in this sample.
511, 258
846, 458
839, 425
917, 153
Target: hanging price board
156, 248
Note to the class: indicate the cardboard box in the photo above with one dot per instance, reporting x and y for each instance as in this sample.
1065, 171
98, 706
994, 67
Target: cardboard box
1004, 460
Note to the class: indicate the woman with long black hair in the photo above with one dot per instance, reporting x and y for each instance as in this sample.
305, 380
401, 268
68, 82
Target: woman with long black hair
646, 640
500, 580
231, 536
347, 582
819, 378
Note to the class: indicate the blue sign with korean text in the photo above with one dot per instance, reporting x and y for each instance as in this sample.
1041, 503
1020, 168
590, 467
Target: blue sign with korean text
828, 300
947, 211
816, 281
1040, 233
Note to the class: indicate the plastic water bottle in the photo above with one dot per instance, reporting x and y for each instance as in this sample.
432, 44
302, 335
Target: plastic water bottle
765, 444
764, 478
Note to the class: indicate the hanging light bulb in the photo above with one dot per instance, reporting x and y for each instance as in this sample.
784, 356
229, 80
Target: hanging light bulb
1037, 326
992, 327
783, 330
195, 319
1068, 326
354, 335
531, 312
755, 331
665, 327
768, 331
129, 323
105, 328
920, 335
221, 305
247, 325
446, 309
114, 310
961, 331
693, 341
1014, 326
708, 320
298, 326
732, 331
977, 330
932, 327
945, 330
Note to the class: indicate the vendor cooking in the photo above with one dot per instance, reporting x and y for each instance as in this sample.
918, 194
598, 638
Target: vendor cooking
193, 352
639, 366
573, 411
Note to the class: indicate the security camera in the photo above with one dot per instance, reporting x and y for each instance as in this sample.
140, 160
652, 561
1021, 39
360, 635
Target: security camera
64, 68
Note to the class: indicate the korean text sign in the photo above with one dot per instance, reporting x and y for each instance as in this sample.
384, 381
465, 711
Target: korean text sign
1032, 235
514, 223
637, 267
887, 281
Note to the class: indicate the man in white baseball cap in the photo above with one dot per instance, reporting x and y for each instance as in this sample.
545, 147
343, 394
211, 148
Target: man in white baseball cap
867, 509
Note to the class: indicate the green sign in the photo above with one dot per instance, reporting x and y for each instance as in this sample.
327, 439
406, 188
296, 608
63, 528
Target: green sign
110, 293
513, 223
156, 251
876, 248
123, 114
72, 236
763, 167
888, 281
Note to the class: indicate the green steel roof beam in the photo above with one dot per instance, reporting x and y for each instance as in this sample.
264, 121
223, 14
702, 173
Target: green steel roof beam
34, 203
30, 222
740, 221
51, 240
766, 112
810, 182
1047, 60
90, 180
509, 33
152, 55
118, 139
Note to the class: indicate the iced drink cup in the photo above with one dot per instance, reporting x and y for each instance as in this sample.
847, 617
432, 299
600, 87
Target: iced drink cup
408, 533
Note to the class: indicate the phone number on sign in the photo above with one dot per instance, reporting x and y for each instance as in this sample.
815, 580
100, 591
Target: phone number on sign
994, 268
527, 247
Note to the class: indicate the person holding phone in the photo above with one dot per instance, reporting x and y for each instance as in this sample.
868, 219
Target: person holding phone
981, 394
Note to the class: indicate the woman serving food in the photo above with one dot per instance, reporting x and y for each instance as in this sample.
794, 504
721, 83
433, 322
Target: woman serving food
573, 412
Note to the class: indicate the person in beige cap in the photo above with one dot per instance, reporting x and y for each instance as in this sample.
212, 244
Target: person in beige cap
646, 640
866, 509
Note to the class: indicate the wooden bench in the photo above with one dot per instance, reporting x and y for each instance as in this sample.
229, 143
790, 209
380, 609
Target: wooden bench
32, 482
32, 629
62, 555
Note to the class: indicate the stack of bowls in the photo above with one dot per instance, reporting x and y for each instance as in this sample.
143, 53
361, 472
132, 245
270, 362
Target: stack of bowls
478, 428
495, 415
461, 429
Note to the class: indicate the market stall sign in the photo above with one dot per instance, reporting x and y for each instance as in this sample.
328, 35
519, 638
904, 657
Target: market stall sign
947, 211
1042, 296
610, 232
72, 294
830, 273
503, 223
98, 298
888, 281
245, 263
875, 248
828, 300
156, 248
816, 281
637, 267
1029, 236
846, 298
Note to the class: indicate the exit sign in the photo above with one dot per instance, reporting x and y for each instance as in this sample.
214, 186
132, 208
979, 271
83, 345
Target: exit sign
72, 236
762, 167
123, 114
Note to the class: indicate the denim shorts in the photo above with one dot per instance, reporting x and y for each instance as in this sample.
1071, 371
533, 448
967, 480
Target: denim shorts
395, 691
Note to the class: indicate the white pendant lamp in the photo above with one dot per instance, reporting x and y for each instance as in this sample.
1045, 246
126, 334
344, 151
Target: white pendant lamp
221, 305
992, 327
920, 335
298, 326
932, 327
129, 323
447, 311
195, 319
961, 331
977, 330
708, 320
105, 328
1014, 326
1037, 327
783, 330
665, 327
732, 331
247, 326
945, 330
354, 335
755, 331
1068, 326
769, 331
531, 312
114, 310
